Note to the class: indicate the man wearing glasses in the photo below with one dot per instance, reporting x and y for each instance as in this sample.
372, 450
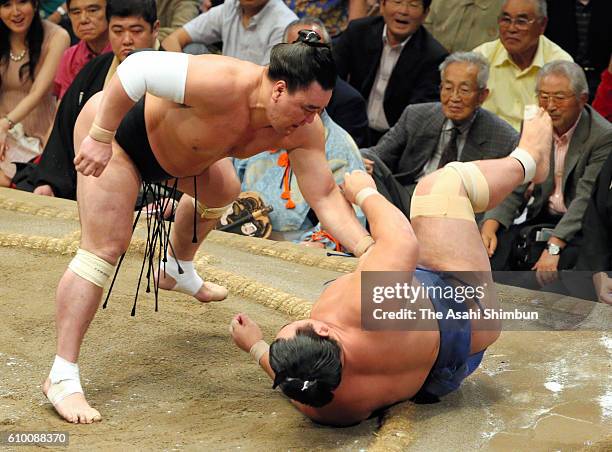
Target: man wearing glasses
517, 56
392, 60
582, 141
430, 135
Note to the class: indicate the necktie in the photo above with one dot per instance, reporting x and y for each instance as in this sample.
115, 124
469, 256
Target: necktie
450, 152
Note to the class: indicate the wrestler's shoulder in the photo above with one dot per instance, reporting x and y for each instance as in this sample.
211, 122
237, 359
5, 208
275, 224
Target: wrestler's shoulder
223, 67
220, 81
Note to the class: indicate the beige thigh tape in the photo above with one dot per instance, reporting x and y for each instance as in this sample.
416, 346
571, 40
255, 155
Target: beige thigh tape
92, 268
474, 183
210, 213
444, 200
441, 206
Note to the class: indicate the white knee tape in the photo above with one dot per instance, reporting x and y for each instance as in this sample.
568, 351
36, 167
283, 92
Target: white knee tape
92, 268
189, 282
163, 74
528, 162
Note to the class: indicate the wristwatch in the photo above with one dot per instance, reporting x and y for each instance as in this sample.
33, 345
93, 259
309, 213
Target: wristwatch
553, 249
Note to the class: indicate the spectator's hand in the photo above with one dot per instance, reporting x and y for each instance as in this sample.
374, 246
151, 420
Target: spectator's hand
488, 232
354, 182
244, 331
610, 64
546, 268
93, 157
4, 128
44, 190
369, 165
603, 287
205, 5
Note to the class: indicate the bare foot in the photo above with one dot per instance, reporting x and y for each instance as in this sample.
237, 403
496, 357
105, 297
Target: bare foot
74, 408
208, 292
536, 139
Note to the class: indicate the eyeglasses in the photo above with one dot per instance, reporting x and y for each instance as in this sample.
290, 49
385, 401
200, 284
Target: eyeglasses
412, 4
557, 98
462, 91
521, 23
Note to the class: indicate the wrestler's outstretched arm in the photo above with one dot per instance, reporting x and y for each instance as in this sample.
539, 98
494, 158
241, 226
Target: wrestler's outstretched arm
395, 245
320, 191
246, 333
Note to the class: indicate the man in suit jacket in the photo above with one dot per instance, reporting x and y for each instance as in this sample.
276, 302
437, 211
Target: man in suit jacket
427, 136
582, 29
582, 141
392, 60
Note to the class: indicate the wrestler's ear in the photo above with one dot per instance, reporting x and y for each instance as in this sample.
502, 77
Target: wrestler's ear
321, 329
279, 87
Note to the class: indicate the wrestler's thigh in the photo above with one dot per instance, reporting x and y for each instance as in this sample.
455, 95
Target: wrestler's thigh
218, 185
448, 244
106, 203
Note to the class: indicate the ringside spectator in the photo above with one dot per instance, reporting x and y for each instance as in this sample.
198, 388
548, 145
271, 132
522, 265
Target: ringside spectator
392, 60
248, 29
517, 56
427, 136
582, 142
88, 19
30, 51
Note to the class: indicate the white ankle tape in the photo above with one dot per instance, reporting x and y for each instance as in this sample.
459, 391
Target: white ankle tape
189, 282
65, 380
528, 162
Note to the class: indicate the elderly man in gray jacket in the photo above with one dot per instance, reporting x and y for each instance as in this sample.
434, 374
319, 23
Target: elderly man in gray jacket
428, 136
582, 141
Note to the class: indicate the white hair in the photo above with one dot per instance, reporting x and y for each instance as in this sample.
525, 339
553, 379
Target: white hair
472, 58
569, 70
541, 8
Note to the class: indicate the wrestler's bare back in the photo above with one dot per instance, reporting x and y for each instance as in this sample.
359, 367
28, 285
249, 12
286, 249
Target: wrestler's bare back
380, 368
224, 115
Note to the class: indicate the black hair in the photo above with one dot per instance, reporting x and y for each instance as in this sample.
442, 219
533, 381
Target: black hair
126, 8
34, 40
426, 4
303, 62
307, 367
